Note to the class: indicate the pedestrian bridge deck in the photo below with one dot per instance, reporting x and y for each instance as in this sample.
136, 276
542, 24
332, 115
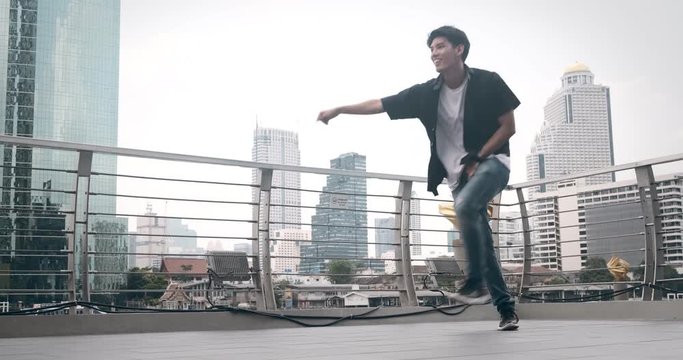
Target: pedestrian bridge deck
575, 331
536, 339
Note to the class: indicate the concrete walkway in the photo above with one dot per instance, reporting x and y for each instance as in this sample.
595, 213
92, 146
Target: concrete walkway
536, 339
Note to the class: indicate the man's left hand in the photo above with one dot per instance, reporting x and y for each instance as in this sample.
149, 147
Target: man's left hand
471, 162
471, 169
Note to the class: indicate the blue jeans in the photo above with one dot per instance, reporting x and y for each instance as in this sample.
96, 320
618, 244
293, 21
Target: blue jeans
471, 199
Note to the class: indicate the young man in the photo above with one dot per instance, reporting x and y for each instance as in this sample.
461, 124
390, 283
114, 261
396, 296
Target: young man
468, 115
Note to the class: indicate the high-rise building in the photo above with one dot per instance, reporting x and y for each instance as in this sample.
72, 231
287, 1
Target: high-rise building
340, 221
182, 239
151, 240
581, 221
386, 237
511, 237
157, 235
59, 72
275, 146
284, 250
577, 132
386, 233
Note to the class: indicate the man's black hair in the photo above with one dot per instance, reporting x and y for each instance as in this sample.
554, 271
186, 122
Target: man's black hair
454, 36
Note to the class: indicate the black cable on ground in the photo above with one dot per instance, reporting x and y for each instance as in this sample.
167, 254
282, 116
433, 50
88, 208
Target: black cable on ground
298, 318
292, 318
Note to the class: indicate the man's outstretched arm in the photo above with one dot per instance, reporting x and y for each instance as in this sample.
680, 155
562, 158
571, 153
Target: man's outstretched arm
364, 108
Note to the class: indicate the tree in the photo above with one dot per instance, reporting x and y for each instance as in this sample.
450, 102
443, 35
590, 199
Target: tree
669, 272
339, 271
595, 271
279, 288
556, 280
142, 279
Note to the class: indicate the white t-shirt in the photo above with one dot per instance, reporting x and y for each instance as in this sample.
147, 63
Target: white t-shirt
450, 144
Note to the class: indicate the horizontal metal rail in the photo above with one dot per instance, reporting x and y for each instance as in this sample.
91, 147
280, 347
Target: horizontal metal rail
83, 256
205, 182
175, 199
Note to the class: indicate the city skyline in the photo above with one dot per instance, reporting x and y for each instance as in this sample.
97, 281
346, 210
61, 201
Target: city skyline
527, 43
244, 80
317, 140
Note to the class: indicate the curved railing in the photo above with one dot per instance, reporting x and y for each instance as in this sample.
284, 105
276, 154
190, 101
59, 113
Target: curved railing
76, 243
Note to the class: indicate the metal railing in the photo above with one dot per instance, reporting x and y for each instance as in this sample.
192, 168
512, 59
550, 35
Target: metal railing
77, 243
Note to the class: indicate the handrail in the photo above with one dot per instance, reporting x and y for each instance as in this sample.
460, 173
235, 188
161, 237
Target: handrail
159, 155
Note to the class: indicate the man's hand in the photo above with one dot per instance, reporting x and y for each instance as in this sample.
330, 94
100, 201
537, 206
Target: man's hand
326, 115
471, 162
471, 169
364, 108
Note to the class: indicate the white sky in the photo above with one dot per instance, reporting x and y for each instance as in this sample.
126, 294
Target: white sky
195, 75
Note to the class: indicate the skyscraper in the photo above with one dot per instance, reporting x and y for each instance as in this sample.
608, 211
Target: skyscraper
385, 235
285, 249
511, 237
340, 220
277, 146
158, 235
577, 132
59, 75
59, 62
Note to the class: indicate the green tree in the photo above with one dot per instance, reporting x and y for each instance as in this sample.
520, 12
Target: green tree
595, 271
141, 279
669, 272
339, 271
556, 280
279, 288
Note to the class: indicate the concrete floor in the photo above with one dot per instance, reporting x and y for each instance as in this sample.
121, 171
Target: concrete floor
536, 339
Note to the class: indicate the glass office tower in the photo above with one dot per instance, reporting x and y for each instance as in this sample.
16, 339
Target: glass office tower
59, 63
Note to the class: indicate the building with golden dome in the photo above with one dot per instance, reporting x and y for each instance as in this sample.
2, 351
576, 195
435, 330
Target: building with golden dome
576, 136
577, 132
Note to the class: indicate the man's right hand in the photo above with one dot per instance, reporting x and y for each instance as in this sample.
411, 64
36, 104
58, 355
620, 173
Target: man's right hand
326, 115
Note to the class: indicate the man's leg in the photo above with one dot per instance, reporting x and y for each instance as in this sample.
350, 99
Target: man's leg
493, 273
471, 201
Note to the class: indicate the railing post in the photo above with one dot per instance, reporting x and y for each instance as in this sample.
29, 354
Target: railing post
72, 250
262, 247
526, 262
495, 223
406, 283
654, 257
81, 218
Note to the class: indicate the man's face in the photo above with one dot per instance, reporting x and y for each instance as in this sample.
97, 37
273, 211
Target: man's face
445, 55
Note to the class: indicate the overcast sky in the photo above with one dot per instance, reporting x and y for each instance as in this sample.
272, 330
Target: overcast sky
203, 71
196, 75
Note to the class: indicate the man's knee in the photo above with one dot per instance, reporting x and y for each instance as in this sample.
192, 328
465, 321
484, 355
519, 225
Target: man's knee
465, 209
